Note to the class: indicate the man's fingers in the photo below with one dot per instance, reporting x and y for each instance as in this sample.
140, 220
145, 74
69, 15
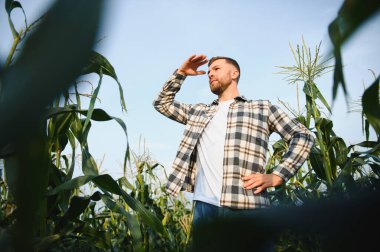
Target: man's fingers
246, 177
252, 184
248, 183
198, 58
250, 176
260, 182
204, 61
192, 57
189, 67
258, 190
198, 64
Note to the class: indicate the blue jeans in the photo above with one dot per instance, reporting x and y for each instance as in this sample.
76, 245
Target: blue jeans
219, 229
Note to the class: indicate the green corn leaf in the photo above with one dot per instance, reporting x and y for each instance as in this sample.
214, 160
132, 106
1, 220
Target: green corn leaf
366, 144
366, 129
77, 206
76, 129
58, 129
124, 181
72, 184
132, 222
70, 172
341, 150
325, 126
100, 115
97, 63
63, 122
89, 166
55, 46
375, 150
375, 168
53, 111
345, 178
316, 161
352, 15
66, 160
55, 175
321, 97
85, 133
100, 65
146, 216
309, 90
93, 100
96, 115
301, 119
371, 105
9, 6
46, 242
97, 239
107, 183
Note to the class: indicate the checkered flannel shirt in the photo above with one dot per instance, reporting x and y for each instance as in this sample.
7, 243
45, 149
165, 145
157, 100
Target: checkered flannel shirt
249, 126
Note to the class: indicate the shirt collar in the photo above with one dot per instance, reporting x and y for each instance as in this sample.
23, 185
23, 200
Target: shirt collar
237, 98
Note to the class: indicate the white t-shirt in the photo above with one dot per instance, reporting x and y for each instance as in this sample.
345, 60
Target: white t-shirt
210, 154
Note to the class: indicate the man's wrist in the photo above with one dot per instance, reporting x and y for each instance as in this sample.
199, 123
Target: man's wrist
280, 176
181, 72
178, 75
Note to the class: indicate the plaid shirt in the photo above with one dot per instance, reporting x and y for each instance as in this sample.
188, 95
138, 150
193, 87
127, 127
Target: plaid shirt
249, 125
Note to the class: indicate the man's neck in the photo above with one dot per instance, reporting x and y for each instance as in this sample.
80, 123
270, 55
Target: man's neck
229, 95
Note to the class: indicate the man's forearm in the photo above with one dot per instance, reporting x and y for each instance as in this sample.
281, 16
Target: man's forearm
300, 142
165, 103
298, 152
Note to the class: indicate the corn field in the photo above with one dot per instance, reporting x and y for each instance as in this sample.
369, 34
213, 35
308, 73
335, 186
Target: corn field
43, 207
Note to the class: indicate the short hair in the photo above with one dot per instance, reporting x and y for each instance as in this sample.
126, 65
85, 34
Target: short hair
228, 60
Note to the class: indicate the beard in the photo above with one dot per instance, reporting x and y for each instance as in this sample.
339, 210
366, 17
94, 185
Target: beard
217, 87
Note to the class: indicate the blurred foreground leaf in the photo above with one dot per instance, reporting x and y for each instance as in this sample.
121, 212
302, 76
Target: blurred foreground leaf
10, 5
371, 105
351, 16
51, 59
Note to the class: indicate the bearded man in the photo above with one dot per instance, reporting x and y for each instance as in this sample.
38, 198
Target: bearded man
222, 155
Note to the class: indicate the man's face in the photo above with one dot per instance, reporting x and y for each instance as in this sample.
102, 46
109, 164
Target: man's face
220, 76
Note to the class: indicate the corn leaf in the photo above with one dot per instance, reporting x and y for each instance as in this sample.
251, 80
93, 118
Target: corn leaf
9, 6
371, 105
99, 64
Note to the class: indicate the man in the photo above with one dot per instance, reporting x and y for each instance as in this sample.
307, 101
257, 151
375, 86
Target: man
222, 155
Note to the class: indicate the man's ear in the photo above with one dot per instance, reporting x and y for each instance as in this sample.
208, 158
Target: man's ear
235, 74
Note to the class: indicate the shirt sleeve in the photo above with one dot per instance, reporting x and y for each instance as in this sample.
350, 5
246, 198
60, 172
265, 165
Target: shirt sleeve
298, 137
165, 103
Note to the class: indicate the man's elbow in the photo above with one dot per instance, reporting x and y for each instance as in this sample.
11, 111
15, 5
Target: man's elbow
305, 136
157, 105
311, 138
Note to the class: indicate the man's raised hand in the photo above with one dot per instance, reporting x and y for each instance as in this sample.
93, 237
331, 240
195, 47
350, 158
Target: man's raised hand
190, 66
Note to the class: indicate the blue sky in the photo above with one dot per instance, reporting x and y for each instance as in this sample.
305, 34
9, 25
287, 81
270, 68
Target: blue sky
146, 40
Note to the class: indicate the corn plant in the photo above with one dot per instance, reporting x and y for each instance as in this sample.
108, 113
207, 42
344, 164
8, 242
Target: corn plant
42, 205
150, 191
333, 167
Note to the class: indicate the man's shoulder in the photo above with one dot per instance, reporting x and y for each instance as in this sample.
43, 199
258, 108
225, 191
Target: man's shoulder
260, 102
201, 106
